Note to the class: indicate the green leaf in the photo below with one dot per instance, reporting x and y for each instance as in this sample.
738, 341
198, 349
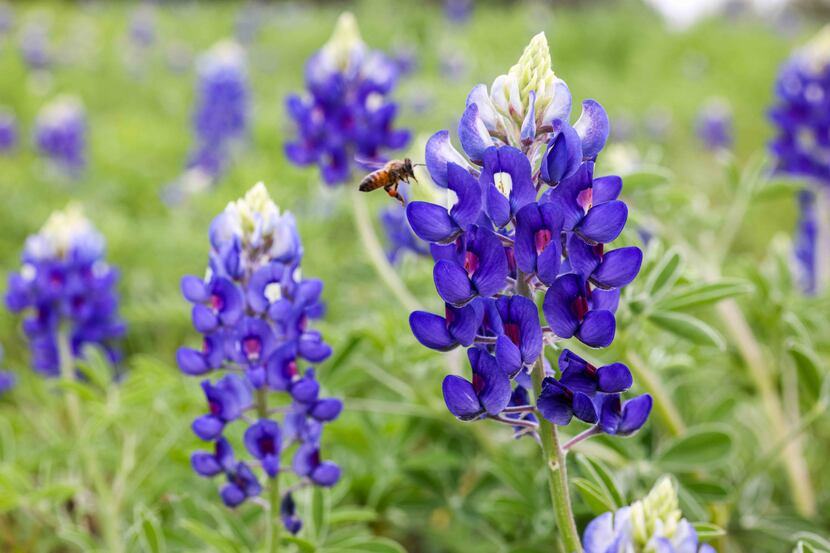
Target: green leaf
602, 476
320, 512
707, 530
804, 547
689, 328
704, 294
594, 496
210, 537
664, 274
56, 493
808, 367
375, 545
350, 515
700, 448
151, 534
304, 546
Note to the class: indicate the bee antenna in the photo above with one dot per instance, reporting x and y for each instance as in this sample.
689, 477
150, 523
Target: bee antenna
419, 164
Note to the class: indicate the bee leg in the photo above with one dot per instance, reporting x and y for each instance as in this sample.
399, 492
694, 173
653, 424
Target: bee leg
393, 192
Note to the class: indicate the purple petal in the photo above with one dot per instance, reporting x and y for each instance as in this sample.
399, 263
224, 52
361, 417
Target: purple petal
191, 362
603, 223
207, 427
468, 207
464, 322
593, 128
203, 318
439, 152
584, 408
473, 134
326, 474
461, 398
634, 415
491, 275
431, 331
606, 189
326, 410
508, 356
528, 222
618, 267
558, 305
597, 329
495, 393
614, 378
584, 259
560, 106
205, 464
554, 404
194, 289
430, 222
452, 283
232, 495
605, 300
528, 130
564, 154
599, 534
486, 111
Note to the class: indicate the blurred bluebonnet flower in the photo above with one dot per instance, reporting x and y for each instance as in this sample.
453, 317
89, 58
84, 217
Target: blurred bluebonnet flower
253, 310
142, 27
801, 146
7, 378
220, 119
66, 286
60, 134
458, 11
653, 523
8, 131
346, 111
527, 217
400, 237
34, 45
6, 19
806, 241
714, 125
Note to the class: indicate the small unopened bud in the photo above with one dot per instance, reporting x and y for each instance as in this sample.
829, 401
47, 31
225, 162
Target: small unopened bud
345, 43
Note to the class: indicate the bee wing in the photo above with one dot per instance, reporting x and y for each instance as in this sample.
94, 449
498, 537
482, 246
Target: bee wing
370, 163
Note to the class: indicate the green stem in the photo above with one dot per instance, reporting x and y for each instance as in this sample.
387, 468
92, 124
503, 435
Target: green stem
554, 455
387, 274
273, 484
107, 511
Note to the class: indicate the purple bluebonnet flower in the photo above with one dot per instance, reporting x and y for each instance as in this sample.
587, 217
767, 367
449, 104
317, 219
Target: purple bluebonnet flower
399, 235
8, 131
7, 378
35, 47
458, 11
801, 146
60, 134
142, 29
653, 523
806, 242
527, 218
66, 284
346, 112
714, 125
253, 310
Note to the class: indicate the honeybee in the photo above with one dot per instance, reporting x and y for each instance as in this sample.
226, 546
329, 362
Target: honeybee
389, 178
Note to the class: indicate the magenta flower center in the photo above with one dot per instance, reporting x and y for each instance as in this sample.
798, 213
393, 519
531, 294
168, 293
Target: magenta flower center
511, 330
580, 307
586, 199
266, 445
543, 238
470, 263
252, 347
216, 302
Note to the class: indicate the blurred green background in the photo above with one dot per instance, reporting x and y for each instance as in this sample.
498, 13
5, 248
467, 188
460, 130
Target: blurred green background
412, 473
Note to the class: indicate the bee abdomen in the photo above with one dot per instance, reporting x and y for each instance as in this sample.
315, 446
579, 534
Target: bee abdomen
371, 182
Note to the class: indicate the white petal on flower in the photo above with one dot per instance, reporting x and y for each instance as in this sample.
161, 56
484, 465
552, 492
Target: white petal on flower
504, 183
273, 292
65, 231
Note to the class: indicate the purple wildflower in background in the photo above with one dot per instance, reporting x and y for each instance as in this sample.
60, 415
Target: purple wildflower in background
60, 134
714, 125
253, 310
528, 221
66, 286
399, 236
8, 380
346, 112
8, 131
35, 47
142, 27
801, 148
458, 12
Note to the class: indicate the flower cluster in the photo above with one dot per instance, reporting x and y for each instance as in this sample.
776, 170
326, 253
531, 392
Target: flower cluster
60, 134
528, 218
653, 523
8, 131
714, 125
253, 310
35, 48
66, 287
801, 146
346, 112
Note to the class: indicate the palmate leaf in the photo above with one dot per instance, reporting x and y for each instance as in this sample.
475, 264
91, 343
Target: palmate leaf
594, 496
211, 537
664, 274
602, 477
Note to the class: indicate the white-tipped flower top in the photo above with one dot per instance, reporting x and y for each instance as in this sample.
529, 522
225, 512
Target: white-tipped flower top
225, 55
657, 514
65, 232
816, 53
61, 112
345, 47
256, 222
